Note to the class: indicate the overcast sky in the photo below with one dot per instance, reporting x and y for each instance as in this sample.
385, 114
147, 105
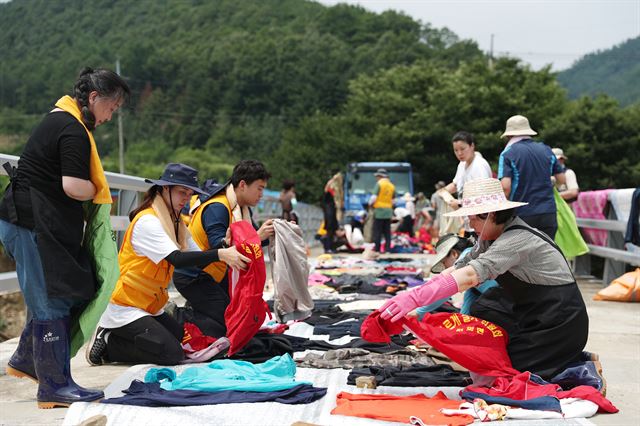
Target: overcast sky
541, 32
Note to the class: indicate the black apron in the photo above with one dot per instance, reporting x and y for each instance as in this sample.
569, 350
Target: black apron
547, 325
59, 230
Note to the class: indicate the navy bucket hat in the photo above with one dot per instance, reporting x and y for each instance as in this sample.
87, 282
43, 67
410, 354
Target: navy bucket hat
178, 174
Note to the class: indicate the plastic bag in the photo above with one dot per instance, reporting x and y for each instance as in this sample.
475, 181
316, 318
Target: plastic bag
625, 288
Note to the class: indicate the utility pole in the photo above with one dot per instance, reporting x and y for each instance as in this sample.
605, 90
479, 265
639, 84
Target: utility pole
120, 136
491, 54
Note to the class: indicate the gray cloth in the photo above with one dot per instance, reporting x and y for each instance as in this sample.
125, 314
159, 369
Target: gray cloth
525, 255
356, 357
289, 272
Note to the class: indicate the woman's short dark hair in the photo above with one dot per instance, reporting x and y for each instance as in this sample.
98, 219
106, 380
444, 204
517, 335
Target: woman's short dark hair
287, 184
107, 83
249, 171
464, 137
502, 216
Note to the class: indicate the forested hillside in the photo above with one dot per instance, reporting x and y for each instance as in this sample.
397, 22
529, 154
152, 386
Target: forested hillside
304, 87
615, 71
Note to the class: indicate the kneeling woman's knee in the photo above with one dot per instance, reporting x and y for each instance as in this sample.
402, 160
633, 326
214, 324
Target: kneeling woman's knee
172, 354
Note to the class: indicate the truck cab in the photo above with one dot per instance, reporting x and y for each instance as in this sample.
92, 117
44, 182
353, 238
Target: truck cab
360, 180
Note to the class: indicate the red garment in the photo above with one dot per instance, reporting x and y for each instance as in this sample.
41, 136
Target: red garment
247, 310
394, 408
396, 269
424, 236
194, 339
484, 352
520, 387
475, 344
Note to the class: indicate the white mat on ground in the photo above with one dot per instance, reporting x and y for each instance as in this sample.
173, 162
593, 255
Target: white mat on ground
261, 413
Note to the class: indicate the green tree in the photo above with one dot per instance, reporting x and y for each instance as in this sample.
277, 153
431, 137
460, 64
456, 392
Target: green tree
601, 140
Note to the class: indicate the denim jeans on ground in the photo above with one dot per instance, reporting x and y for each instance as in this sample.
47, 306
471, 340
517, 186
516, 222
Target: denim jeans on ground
20, 244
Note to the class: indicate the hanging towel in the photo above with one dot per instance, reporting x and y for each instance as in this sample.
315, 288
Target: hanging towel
289, 272
590, 205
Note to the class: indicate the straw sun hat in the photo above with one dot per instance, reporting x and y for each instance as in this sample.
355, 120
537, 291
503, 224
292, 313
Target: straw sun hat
483, 196
518, 125
443, 248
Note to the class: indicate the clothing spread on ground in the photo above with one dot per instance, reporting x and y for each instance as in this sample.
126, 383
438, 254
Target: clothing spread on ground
394, 408
525, 386
476, 344
330, 339
152, 395
276, 374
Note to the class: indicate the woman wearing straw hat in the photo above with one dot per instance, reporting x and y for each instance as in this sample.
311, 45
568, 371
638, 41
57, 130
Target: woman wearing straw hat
134, 328
537, 301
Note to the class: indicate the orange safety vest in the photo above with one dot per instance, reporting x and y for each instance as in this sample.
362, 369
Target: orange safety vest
384, 199
142, 283
199, 235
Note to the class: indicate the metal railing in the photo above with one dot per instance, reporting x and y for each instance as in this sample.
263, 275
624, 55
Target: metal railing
130, 189
615, 255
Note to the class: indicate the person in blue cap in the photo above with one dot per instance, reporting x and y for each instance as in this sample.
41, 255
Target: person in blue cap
135, 328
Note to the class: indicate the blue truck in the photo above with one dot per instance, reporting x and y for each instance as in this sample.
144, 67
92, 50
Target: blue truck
360, 180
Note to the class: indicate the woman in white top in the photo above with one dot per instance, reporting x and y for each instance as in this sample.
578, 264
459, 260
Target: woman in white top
134, 328
472, 165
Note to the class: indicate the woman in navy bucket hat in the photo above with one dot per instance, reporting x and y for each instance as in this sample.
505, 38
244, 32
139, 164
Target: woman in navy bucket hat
134, 328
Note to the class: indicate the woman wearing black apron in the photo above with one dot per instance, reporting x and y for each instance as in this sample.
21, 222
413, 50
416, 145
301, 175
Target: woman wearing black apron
42, 228
537, 301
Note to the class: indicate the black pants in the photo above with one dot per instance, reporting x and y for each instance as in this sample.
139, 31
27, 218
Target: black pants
208, 299
547, 223
382, 227
155, 340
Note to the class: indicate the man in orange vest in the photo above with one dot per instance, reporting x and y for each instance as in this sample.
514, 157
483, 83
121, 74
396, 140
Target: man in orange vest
382, 203
206, 289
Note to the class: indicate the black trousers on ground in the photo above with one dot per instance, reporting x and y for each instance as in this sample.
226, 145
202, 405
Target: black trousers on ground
382, 227
547, 223
155, 340
208, 300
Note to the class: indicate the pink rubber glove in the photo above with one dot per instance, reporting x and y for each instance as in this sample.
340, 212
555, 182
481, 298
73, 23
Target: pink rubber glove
440, 287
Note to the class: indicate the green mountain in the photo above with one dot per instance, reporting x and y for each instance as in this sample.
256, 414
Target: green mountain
304, 87
615, 72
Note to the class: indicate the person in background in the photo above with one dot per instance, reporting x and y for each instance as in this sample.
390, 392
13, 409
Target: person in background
329, 211
437, 204
205, 287
422, 203
382, 203
408, 215
42, 228
288, 200
525, 169
135, 328
472, 166
569, 190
